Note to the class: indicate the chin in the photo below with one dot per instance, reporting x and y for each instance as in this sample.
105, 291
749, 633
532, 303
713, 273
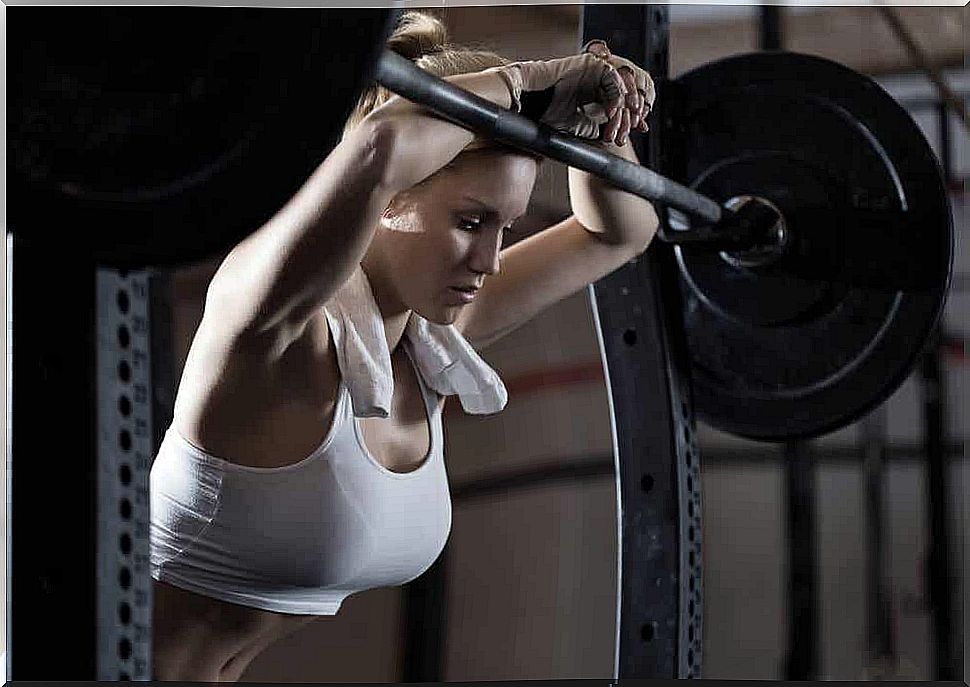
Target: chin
445, 316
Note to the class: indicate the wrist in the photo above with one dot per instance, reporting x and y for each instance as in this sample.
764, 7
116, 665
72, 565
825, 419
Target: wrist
511, 75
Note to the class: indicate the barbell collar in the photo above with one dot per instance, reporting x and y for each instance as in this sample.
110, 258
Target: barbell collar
468, 110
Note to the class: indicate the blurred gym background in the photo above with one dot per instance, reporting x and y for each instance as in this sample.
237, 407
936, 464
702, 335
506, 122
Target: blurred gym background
528, 578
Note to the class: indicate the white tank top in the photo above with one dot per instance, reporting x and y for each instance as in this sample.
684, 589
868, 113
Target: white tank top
302, 537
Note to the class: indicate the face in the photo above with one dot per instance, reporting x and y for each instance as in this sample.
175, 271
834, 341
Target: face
445, 234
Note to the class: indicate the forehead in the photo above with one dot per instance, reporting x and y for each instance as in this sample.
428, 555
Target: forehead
499, 176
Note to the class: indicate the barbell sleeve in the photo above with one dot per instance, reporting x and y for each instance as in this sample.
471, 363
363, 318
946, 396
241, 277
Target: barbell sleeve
473, 112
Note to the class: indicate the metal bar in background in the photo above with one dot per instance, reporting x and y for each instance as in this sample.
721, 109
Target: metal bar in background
637, 315
881, 656
769, 34
801, 660
88, 367
921, 61
126, 447
938, 565
425, 617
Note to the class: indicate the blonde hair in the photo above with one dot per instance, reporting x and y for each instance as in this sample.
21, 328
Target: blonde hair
423, 39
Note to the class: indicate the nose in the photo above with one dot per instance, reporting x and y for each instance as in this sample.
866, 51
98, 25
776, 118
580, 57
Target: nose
484, 258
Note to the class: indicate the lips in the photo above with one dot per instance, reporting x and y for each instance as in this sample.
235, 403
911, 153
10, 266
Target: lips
466, 294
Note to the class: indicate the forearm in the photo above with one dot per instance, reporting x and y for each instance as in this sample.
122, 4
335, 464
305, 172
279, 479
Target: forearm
615, 216
424, 142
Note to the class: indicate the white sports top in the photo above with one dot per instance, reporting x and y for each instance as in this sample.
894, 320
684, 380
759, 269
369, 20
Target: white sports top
303, 537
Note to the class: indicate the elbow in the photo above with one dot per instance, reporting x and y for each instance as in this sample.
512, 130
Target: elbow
379, 137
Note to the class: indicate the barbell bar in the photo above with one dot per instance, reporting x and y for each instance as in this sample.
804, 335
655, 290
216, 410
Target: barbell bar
471, 111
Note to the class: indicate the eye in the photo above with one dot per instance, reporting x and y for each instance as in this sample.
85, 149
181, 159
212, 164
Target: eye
470, 223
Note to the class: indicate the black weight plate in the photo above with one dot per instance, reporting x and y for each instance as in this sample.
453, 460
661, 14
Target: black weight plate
162, 135
807, 344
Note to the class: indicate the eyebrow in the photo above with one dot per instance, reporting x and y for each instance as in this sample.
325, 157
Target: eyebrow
486, 207
481, 204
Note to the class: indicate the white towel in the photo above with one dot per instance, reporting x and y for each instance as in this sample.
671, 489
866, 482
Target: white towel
444, 358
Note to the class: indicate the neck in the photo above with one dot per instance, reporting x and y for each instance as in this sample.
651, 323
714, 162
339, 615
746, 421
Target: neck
393, 313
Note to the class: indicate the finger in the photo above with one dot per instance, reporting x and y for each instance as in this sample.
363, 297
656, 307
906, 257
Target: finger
624, 128
644, 83
613, 89
647, 107
632, 95
598, 47
612, 127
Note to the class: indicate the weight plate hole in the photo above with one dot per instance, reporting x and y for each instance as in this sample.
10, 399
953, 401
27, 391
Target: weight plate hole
124, 648
124, 472
123, 302
124, 613
124, 578
124, 406
124, 371
125, 509
648, 631
646, 482
124, 542
124, 338
630, 337
124, 440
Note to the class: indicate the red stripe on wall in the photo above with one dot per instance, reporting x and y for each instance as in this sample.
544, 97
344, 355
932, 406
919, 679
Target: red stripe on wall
591, 371
544, 379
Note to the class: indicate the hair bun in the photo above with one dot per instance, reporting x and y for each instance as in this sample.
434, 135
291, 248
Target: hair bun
418, 34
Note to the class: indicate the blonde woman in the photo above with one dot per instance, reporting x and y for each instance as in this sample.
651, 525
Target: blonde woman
304, 462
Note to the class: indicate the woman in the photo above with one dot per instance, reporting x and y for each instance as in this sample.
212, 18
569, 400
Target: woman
304, 461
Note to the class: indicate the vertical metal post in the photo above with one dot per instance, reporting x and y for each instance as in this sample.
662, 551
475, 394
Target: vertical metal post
769, 34
83, 421
801, 662
880, 635
636, 310
128, 429
425, 616
938, 564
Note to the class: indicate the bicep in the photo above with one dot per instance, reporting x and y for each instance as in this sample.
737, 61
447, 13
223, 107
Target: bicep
283, 272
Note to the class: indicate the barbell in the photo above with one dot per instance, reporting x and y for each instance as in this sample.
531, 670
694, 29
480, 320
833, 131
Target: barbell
807, 213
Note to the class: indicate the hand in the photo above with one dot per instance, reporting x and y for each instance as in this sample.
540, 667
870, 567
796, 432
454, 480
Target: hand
587, 91
640, 94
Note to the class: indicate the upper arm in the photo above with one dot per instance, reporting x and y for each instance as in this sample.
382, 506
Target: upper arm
277, 277
536, 273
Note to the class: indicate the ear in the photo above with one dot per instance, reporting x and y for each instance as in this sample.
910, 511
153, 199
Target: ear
395, 216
